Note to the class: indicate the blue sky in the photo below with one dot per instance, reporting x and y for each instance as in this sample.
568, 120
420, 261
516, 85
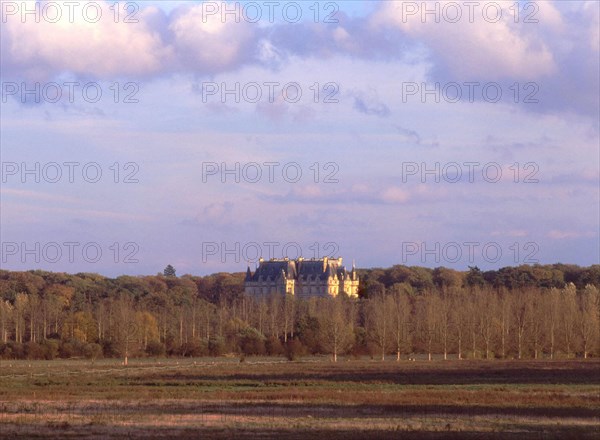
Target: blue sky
386, 145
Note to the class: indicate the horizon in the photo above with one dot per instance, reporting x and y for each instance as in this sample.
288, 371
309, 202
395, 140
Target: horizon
242, 272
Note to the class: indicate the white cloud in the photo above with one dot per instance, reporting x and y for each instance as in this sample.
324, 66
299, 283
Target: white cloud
481, 48
210, 42
559, 234
395, 195
96, 49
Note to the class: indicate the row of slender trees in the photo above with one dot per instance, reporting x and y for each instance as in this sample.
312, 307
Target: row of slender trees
47, 315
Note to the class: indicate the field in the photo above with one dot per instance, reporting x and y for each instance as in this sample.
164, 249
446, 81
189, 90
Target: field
311, 398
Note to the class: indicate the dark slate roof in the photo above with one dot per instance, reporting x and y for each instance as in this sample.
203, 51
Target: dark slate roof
316, 269
304, 270
272, 270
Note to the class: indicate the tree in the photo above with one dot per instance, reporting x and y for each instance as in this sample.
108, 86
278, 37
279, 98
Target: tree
487, 306
5, 314
444, 319
552, 315
569, 311
588, 318
522, 313
460, 318
125, 330
504, 306
21, 303
428, 313
148, 328
474, 277
380, 320
335, 328
537, 325
401, 310
169, 271
251, 342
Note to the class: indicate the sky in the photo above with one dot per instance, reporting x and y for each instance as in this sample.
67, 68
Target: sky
208, 134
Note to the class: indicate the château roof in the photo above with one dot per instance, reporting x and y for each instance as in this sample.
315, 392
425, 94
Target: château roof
300, 269
272, 270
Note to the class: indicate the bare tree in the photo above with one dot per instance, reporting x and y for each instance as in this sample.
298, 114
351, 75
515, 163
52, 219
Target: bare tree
402, 312
125, 329
21, 302
6, 311
552, 317
380, 318
335, 328
487, 305
288, 312
427, 311
522, 321
568, 306
472, 321
504, 311
589, 301
444, 318
275, 314
460, 318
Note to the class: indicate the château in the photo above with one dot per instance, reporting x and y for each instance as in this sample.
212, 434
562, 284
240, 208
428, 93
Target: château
302, 278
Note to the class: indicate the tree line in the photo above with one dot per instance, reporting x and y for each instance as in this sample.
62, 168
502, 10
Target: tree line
550, 311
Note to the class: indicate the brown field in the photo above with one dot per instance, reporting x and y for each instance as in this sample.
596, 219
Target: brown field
313, 398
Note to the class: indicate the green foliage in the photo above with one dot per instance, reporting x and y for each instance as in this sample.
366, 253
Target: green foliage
251, 342
92, 351
169, 271
474, 277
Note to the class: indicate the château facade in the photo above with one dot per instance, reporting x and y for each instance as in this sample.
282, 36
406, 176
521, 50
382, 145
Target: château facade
302, 278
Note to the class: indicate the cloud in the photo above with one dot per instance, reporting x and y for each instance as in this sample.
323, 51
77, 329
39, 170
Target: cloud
559, 53
357, 194
553, 61
481, 48
562, 234
217, 213
395, 195
510, 233
369, 104
209, 44
41, 50
22, 194
413, 137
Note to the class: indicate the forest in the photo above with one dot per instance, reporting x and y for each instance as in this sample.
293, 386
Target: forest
524, 312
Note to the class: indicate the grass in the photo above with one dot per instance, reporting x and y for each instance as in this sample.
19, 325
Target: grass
313, 398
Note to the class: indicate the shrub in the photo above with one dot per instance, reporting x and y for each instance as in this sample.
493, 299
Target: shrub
16, 349
274, 347
50, 349
191, 349
6, 351
70, 349
156, 349
294, 349
33, 350
216, 346
92, 351
251, 341
110, 349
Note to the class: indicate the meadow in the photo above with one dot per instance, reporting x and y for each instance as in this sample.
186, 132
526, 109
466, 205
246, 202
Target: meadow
311, 398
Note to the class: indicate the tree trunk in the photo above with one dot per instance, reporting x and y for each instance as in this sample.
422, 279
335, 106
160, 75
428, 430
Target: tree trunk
445, 348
